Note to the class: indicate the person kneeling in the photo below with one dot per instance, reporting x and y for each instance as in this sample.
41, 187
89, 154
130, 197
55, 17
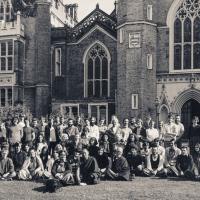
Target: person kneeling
119, 170
6, 166
62, 170
32, 168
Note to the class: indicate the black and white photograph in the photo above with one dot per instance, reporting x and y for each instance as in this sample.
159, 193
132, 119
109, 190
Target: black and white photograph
99, 99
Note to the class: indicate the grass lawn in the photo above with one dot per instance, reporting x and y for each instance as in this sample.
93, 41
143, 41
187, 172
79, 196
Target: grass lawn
139, 189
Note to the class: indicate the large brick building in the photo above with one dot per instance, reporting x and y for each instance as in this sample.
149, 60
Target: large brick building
143, 58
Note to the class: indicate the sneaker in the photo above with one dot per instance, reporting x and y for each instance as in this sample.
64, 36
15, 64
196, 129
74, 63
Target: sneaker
83, 184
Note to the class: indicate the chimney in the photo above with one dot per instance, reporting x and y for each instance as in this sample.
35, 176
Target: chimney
71, 10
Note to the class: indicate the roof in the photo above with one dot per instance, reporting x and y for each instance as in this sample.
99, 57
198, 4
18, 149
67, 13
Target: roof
96, 17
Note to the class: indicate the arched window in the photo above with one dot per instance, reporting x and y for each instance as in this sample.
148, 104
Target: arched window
164, 111
97, 68
5, 10
187, 36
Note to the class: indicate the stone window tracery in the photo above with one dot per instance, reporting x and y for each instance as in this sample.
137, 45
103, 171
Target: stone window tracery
97, 72
187, 36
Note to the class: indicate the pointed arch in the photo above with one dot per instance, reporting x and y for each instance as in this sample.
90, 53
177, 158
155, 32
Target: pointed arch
96, 60
183, 22
184, 97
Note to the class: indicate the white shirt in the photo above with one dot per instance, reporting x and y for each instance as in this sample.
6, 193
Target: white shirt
94, 132
152, 134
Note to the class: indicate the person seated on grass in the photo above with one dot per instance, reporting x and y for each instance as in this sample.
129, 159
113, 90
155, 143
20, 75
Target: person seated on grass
89, 168
18, 157
135, 161
32, 168
171, 154
49, 165
7, 171
145, 151
185, 165
119, 169
196, 156
154, 162
103, 161
62, 170
75, 163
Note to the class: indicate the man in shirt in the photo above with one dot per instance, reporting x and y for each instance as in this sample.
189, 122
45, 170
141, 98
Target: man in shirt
126, 131
94, 129
179, 126
28, 133
51, 136
185, 165
71, 130
171, 154
169, 130
154, 163
18, 157
14, 134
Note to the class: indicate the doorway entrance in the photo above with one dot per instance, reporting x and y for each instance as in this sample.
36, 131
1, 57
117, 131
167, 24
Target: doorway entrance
190, 109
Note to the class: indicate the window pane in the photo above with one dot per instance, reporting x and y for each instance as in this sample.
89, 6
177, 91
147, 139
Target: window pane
10, 63
94, 111
90, 88
10, 97
75, 111
3, 97
10, 48
177, 31
104, 88
197, 29
97, 88
187, 30
1, 9
197, 56
3, 64
97, 68
102, 111
67, 111
187, 57
90, 69
177, 57
3, 49
104, 68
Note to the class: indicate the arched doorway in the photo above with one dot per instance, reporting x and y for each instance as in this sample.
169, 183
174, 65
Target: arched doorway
190, 108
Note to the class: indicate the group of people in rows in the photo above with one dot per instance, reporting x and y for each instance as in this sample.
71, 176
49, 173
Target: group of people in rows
82, 152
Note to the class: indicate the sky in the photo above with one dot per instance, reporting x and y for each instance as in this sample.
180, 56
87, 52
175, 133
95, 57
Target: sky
86, 6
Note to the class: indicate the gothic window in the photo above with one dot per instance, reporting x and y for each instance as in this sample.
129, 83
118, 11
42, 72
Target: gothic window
5, 97
187, 36
97, 72
6, 56
5, 10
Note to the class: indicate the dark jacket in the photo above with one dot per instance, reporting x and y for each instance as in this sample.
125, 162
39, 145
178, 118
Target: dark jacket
121, 167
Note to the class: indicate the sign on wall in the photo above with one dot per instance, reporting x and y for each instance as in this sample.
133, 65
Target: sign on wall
134, 40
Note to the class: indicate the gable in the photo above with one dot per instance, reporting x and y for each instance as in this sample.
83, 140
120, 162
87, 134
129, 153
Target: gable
97, 19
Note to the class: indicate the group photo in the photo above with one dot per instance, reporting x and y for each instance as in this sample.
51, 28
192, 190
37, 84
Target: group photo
100, 99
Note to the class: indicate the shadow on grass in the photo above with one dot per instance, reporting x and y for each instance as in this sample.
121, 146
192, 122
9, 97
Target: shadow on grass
40, 189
